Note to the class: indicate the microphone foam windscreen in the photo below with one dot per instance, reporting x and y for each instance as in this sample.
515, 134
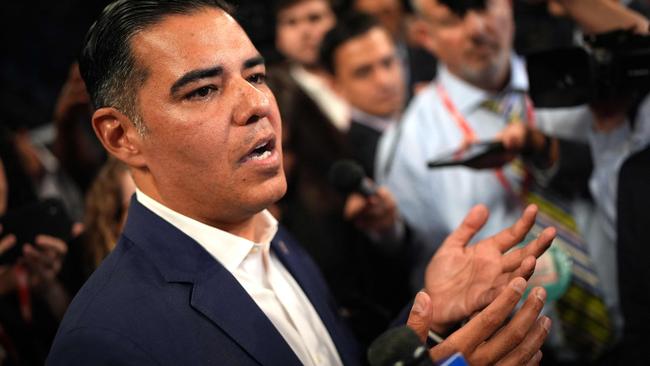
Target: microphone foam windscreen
346, 175
395, 345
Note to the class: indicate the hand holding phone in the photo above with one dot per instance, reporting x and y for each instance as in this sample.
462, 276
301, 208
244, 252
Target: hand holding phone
478, 155
47, 217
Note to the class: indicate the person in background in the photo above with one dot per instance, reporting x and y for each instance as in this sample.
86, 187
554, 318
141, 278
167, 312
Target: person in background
361, 58
476, 64
363, 61
418, 64
32, 298
107, 202
74, 143
351, 238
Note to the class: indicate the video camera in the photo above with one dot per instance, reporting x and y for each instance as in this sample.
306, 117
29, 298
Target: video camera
610, 65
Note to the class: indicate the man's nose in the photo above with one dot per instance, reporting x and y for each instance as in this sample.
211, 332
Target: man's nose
252, 103
383, 77
476, 23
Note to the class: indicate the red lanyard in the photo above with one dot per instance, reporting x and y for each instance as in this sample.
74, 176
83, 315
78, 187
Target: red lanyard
24, 298
469, 135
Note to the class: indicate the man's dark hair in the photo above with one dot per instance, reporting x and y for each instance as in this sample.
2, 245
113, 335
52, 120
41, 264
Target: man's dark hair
107, 63
349, 26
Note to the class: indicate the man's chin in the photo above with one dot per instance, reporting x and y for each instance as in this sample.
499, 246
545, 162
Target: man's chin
275, 189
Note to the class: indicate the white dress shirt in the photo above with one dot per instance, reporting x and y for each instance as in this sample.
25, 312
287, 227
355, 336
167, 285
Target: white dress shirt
264, 278
435, 201
329, 102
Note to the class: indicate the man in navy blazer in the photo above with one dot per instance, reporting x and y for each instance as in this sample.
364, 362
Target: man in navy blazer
202, 274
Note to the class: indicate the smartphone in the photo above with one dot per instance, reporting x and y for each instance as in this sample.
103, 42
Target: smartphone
479, 155
47, 217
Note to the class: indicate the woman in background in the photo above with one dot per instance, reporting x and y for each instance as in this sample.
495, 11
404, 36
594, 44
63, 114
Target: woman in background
107, 202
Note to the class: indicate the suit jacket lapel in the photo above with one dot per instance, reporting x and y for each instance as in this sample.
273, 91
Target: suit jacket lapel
216, 293
222, 299
312, 284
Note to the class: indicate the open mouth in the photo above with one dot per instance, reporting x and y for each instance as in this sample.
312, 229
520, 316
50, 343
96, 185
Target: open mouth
262, 150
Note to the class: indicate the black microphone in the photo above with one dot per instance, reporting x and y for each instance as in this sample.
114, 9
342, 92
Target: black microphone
348, 176
398, 346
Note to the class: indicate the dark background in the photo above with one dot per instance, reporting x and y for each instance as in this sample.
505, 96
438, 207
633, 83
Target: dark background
41, 39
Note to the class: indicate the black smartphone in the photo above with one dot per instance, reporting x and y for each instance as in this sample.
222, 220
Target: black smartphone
47, 217
479, 155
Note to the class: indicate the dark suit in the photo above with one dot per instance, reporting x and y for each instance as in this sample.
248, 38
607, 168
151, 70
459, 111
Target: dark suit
363, 141
633, 254
160, 299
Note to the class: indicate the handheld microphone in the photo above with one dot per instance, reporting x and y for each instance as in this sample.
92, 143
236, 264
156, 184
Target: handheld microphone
402, 347
348, 176
398, 346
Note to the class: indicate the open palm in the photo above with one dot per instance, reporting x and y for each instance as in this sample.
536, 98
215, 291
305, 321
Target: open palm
462, 279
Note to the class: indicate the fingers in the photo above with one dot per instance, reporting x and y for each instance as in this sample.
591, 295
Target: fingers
513, 136
513, 235
420, 315
37, 258
535, 360
377, 212
515, 333
354, 204
527, 352
473, 222
77, 229
536, 248
526, 268
47, 242
7, 242
486, 323
45, 262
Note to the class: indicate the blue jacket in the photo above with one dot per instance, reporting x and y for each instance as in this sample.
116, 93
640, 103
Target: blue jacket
160, 299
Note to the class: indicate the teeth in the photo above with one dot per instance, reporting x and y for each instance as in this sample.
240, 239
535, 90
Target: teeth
260, 145
261, 156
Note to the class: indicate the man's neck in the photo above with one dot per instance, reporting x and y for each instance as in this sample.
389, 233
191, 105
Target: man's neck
493, 82
498, 82
244, 227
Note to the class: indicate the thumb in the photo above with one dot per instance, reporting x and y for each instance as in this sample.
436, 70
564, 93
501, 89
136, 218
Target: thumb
420, 315
354, 205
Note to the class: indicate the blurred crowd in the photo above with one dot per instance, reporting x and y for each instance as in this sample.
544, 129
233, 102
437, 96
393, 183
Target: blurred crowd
394, 86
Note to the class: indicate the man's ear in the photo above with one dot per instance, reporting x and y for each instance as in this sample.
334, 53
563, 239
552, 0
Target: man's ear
422, 35
119, 136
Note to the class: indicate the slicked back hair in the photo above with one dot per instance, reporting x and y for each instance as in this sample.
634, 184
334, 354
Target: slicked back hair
349, 26
107, 64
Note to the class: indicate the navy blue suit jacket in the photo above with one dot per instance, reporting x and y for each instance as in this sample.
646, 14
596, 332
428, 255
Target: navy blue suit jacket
160, 299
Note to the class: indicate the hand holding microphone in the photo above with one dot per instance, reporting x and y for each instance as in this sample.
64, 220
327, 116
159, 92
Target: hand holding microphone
484, 340
370, 207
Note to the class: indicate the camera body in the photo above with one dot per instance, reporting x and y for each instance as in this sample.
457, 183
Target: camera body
611, 65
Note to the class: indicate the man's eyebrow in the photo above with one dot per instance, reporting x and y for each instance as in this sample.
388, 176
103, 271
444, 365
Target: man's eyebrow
252, 62
195, 75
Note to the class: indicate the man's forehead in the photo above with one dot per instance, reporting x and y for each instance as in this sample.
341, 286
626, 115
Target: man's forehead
190, 40
365, 48
376, 38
